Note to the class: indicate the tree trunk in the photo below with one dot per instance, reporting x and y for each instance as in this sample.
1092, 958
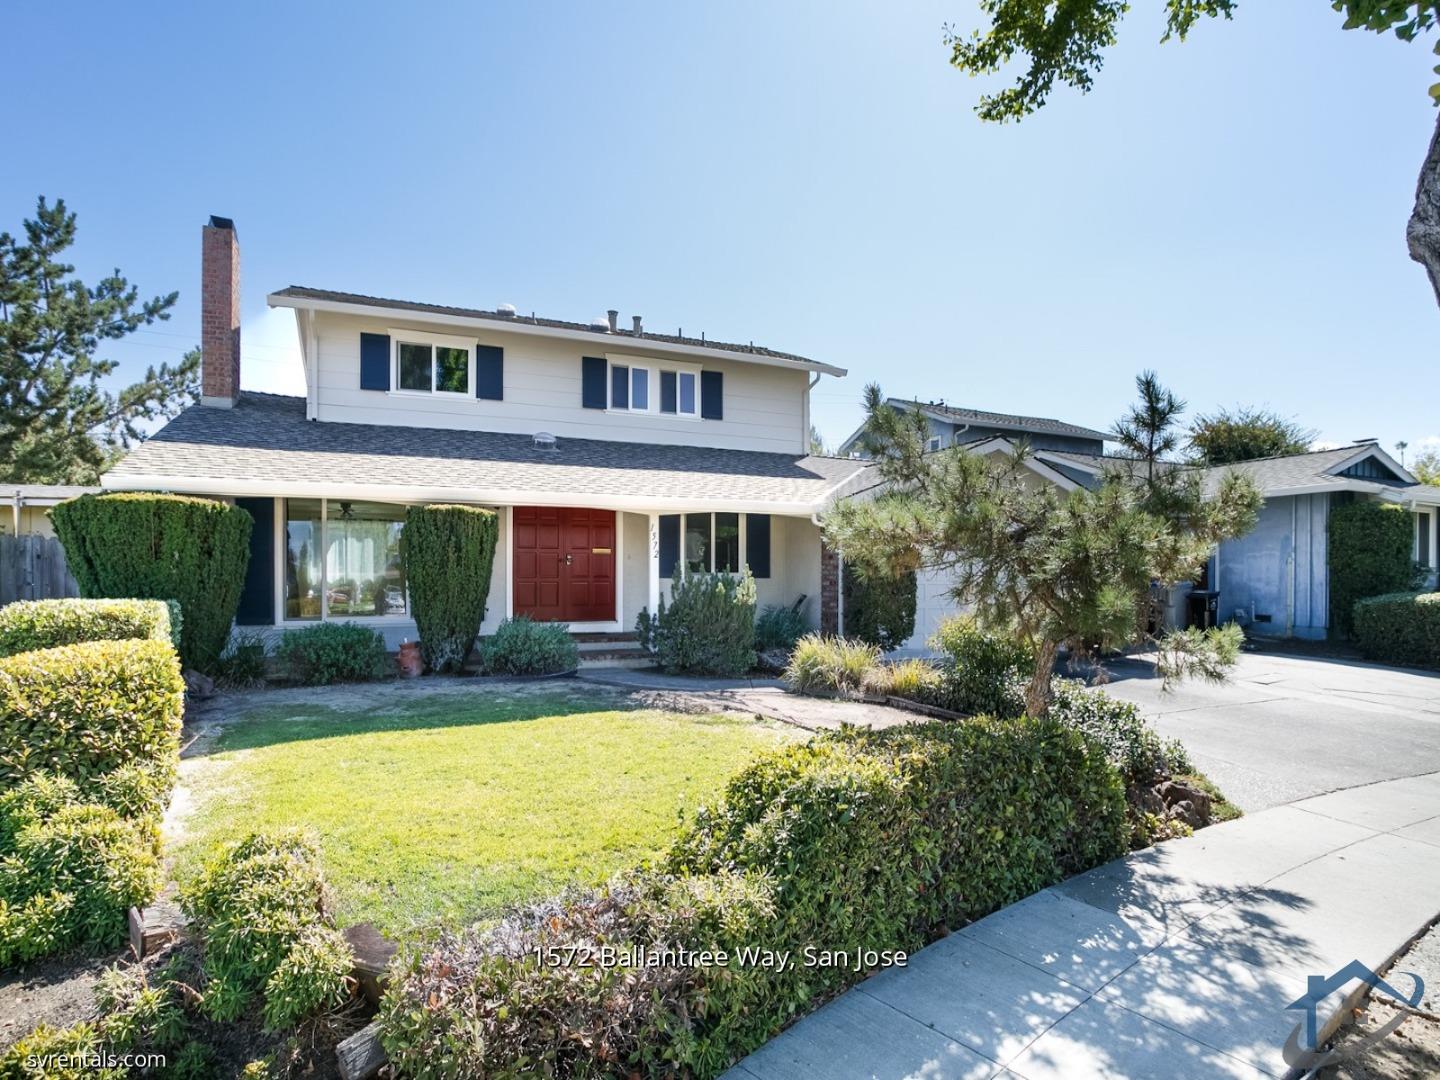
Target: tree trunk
1423, 232
1037, 694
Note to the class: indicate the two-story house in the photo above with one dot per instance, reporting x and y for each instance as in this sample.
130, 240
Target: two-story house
612, 454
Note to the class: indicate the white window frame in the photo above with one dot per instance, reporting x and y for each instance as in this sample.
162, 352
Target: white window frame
710, 555
935, 442
655, 368
652, 387
421, 337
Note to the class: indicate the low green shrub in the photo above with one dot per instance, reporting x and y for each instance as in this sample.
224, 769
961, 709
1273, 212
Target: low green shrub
1129, 742
855, 840
879, 609
522, 646
448, 553
779, 628
162, 547
830, 665
83, 710
708, 628
261, 911
333, 652
69, 871
43, 624
39, 1056
982, 673
1369, 553
1400, 628
136, 1014
243, 664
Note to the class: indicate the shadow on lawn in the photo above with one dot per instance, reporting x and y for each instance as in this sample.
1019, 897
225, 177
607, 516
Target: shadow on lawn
266, 718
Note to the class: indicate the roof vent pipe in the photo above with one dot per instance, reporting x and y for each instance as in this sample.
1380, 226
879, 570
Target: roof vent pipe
636, 320
614, 317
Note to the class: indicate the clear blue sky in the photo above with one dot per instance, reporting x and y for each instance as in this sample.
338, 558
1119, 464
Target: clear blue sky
1229, 211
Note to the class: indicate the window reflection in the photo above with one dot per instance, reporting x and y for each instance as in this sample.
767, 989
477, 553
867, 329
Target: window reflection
360, 572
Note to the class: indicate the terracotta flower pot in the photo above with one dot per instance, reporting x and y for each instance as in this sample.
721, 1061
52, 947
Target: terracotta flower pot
410, 663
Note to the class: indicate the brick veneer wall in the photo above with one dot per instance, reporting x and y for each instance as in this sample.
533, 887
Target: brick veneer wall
829, 591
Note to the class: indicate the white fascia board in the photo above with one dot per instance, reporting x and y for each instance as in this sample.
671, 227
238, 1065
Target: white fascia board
519, 326
395, 493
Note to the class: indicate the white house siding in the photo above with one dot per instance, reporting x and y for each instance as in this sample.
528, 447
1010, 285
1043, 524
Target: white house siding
933, 605
764, 406
634, 530
1279, 570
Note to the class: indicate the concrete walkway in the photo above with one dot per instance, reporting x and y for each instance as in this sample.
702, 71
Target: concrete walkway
1178, 961
758, 697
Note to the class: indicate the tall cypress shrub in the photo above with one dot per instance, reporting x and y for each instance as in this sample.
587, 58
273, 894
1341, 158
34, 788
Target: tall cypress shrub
148, 546
448, 552
879, 610
1369, 554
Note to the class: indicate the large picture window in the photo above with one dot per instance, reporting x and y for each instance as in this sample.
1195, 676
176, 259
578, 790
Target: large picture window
711, 542
342, 559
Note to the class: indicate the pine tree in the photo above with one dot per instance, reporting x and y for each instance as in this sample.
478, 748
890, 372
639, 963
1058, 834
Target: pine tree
58, 424
1054, 568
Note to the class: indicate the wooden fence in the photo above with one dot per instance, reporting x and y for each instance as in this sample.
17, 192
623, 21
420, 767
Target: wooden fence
33, 568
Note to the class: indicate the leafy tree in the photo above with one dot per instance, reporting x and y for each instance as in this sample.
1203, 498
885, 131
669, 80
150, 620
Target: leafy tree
1052, 567
1426, 467
57, 423
1225, 436
1066, 41
817, 442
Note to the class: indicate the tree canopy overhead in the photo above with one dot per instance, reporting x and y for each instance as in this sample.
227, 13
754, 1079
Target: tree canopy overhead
58, 423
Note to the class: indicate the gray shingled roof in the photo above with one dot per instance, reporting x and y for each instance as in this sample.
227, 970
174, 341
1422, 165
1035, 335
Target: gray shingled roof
1294, 471
1004, 421
267, 438
301, 292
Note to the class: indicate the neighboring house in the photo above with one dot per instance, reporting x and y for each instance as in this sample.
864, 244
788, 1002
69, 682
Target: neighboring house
612, 456
32, 560
951, 426
1276, 579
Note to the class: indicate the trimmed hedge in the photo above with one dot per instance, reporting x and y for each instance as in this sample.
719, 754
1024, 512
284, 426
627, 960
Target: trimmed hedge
449, 552
879, 610
708, 628
854, 840
84, 710
1369, 554
261, 908
69, 870
44, 624
1400, 628
162, 547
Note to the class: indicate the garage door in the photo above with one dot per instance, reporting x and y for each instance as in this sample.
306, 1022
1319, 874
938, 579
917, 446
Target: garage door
933, 605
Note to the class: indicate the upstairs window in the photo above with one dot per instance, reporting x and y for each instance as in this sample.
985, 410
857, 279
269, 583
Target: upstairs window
436, 366
629, 388
679, 393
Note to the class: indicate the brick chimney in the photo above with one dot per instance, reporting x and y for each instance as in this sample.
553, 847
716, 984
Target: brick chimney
219, 314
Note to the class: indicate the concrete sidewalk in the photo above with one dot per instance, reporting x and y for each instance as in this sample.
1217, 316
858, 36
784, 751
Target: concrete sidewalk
1177, 961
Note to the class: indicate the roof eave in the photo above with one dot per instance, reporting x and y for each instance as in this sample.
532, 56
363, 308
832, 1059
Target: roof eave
408, 493
519, 326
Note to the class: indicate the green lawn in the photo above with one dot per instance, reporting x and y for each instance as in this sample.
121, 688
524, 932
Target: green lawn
450, 806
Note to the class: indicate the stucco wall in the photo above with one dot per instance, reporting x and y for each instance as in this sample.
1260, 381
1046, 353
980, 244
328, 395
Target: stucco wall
1279, 570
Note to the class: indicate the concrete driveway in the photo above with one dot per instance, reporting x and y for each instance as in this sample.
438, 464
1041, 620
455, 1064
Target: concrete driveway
1285, 727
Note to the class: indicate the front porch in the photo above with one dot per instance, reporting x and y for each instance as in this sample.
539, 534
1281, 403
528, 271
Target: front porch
594, 568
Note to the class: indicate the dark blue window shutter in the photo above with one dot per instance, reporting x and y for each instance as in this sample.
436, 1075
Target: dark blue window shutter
619, 387
257, 598
757, 544
592, 382
374, 361
490, 372
667, 391
669, 545
712, 395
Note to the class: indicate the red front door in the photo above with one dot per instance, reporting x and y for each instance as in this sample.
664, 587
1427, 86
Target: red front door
564, 564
